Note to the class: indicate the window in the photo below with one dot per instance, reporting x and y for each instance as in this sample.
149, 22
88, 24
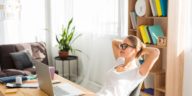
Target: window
24, 21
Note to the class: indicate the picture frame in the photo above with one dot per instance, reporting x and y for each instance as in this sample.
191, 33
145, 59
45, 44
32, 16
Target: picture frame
162, 41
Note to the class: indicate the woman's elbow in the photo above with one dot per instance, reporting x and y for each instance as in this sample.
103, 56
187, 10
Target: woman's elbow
156, 52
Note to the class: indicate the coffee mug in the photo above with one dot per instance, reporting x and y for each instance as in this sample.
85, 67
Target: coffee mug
52, 71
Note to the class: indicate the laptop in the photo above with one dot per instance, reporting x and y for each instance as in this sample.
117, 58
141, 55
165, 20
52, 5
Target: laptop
45, 83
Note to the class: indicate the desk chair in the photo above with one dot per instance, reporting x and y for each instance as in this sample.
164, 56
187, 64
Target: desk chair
137, 90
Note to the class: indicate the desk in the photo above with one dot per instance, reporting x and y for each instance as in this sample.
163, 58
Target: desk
69, 58
38, 92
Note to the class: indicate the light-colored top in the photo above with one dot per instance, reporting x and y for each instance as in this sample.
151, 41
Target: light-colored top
121, 83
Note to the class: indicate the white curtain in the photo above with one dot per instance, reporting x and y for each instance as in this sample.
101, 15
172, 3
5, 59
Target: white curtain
186, 26
24, 21
99, 21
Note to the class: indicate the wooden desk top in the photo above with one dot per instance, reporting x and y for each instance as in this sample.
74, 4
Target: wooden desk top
38, 92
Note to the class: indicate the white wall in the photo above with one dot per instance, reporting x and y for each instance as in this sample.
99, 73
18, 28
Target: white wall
187, 29
187, 80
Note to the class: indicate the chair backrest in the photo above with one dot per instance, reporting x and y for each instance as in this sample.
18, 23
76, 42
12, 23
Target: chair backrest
136, 91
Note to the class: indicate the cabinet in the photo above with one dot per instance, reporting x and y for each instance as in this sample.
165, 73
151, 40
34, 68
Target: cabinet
158, 72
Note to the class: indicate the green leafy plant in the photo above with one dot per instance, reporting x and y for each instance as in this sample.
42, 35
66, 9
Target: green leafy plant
67, 38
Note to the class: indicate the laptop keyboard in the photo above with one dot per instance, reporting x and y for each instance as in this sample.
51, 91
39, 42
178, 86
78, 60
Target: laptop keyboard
66, 90
59, 91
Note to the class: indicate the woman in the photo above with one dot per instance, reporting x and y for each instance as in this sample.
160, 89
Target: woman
122, 79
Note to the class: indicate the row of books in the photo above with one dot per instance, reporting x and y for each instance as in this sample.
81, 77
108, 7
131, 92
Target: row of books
158, 7
150, 33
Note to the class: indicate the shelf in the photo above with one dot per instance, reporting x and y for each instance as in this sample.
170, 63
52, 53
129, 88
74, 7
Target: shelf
132, 29
156, 46
154, 17
162, 89
157, 72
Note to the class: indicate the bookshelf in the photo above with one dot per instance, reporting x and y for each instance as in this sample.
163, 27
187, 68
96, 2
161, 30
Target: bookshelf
158, 71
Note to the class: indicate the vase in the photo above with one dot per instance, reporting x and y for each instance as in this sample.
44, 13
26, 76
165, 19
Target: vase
63, 54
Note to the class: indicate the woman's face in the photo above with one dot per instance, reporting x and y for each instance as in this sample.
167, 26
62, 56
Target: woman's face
127, 49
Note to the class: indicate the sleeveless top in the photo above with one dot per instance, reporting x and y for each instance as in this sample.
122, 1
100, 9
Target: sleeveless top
121, 83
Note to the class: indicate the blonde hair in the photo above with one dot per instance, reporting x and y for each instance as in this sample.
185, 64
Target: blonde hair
137, 43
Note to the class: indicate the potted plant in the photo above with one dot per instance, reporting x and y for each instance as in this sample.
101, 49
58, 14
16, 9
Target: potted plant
66, 40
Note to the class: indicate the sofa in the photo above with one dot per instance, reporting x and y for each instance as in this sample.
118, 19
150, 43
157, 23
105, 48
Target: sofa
37, 50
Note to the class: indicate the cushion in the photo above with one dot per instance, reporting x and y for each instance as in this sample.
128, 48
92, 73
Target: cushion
6, 61
24, 46
31, 70
21, 60
39, 52
13, 72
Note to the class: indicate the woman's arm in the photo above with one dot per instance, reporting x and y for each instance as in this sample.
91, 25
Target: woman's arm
115, 46
152, 56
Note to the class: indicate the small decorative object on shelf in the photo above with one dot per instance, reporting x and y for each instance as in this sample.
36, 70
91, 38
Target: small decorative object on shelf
162, 41
140, 7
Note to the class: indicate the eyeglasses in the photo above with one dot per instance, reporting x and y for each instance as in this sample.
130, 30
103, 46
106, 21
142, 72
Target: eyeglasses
124, 46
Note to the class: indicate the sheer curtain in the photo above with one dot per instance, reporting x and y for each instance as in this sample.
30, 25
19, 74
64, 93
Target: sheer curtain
99, 21
24, 21
186, 27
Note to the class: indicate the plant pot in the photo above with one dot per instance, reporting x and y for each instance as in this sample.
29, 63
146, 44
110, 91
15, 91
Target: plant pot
63, 54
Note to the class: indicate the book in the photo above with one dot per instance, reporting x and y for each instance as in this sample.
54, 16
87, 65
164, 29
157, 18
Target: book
132, 22
158, 7
28, 85
143, 33
155, 32
153, 7
164, 7
149, 35
133, 19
